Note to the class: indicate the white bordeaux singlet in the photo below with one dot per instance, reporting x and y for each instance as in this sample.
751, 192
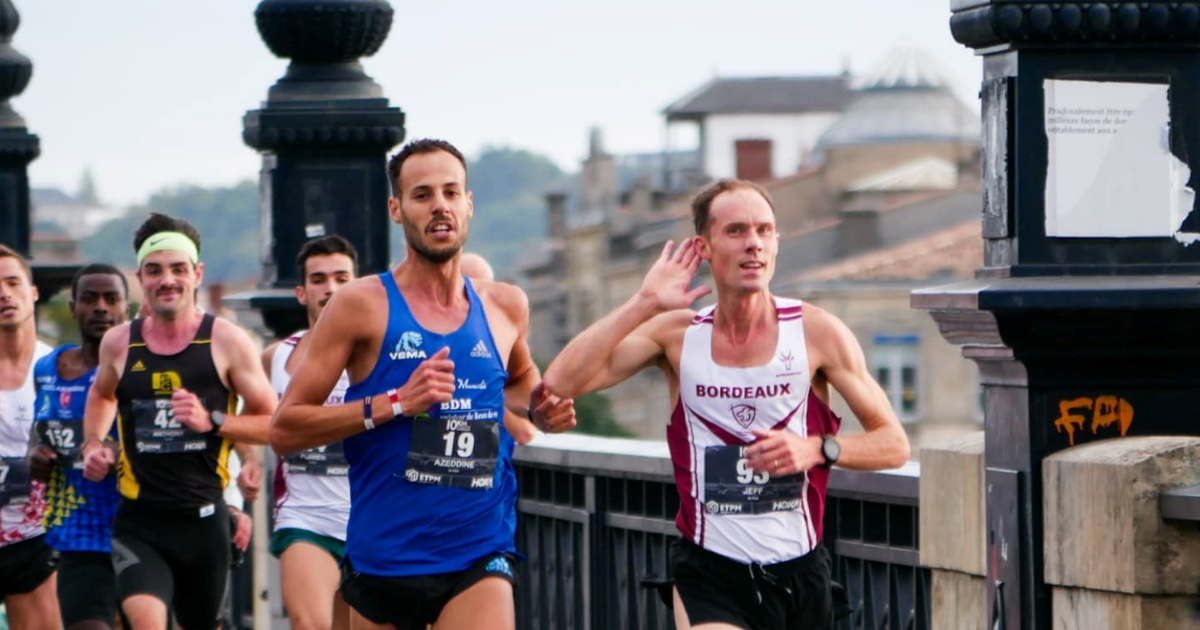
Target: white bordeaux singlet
724, 506
312, 490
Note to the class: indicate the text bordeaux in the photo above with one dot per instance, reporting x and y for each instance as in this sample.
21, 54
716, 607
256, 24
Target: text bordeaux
768, 391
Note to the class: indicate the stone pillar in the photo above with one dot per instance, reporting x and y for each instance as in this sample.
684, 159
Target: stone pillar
19, 147
1112, 563
324, 133
953, 545
1082, 318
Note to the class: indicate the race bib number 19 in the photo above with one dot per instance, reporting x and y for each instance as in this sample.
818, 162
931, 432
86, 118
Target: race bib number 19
453, 452
732, 487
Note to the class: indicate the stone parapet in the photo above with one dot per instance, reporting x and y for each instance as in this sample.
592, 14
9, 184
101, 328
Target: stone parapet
1103, 529
1082, 609
952, 505
959, 601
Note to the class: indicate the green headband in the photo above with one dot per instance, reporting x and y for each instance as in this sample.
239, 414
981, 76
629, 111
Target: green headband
169, 241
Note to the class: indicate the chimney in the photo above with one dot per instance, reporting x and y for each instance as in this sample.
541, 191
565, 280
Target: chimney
860, 230
641, 200
556, 214
753, 160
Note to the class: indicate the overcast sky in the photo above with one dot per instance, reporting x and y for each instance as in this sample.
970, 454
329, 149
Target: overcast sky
151, 93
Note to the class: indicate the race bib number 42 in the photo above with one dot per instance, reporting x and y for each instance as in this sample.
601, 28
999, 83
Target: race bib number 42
732, 487
157, 432
454, 453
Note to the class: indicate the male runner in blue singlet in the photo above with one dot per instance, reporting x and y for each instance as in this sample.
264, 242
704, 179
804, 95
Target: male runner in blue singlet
79, 513
434, 361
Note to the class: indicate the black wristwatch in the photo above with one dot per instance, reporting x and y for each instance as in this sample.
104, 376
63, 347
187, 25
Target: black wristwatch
218, 420
830, 449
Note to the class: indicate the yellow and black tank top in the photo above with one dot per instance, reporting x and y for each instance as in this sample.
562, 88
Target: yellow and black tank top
161, 460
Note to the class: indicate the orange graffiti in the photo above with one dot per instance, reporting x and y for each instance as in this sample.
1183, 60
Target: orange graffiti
1106, 411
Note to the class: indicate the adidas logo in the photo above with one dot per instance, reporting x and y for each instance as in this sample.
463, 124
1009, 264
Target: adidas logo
138, 367
480, 351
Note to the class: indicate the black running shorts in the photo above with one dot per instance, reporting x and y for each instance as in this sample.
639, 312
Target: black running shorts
179, 555
87, 587
25, 565
412, 603
782, 596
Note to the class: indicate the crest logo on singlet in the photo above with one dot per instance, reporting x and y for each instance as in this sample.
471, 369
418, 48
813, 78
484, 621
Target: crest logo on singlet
45, 404
787, 359
744, 414
64, 399
164, 383
408, 347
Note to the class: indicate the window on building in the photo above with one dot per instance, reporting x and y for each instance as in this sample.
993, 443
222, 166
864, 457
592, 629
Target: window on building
896, 361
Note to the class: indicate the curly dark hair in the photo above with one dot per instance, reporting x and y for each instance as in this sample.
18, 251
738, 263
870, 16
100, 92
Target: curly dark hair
158, 222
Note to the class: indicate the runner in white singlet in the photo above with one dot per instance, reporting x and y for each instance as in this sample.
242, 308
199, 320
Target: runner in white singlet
312, 490
28, 582
751, 436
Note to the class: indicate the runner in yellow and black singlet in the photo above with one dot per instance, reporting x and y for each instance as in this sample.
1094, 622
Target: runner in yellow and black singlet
161, 460
170, 379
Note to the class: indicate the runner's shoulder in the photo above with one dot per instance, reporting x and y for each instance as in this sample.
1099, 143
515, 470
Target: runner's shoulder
509, 297
117, 337
358, 297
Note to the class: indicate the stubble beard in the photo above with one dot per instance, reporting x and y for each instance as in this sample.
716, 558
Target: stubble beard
412, 234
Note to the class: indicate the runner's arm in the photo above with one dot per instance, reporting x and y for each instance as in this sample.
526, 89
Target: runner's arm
246, 377
302, 420
101, 408
633, 336
883, 444
611, 350
249, 480
524, 397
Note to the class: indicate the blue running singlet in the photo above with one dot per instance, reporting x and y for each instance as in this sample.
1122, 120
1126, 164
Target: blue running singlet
79, 513
436, 492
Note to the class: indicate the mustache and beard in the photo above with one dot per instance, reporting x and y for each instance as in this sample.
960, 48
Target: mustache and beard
437, 255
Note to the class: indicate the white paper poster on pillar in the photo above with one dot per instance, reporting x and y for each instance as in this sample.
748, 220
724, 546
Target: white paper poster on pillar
1110, 171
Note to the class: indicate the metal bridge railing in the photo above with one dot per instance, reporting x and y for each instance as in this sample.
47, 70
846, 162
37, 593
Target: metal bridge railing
596, 517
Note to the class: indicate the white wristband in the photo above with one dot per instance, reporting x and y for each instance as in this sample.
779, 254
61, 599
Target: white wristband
367, 421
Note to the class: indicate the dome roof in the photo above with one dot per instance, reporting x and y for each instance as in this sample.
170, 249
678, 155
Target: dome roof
907, 98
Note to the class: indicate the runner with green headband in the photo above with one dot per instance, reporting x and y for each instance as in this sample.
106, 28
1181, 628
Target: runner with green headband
173, 377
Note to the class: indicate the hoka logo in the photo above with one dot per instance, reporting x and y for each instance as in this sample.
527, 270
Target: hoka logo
408, 347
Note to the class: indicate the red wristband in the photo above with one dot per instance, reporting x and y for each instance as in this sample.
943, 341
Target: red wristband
394, 398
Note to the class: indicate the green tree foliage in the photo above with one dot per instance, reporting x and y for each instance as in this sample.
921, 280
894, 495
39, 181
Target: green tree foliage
593, 413
227, 218
507, 184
